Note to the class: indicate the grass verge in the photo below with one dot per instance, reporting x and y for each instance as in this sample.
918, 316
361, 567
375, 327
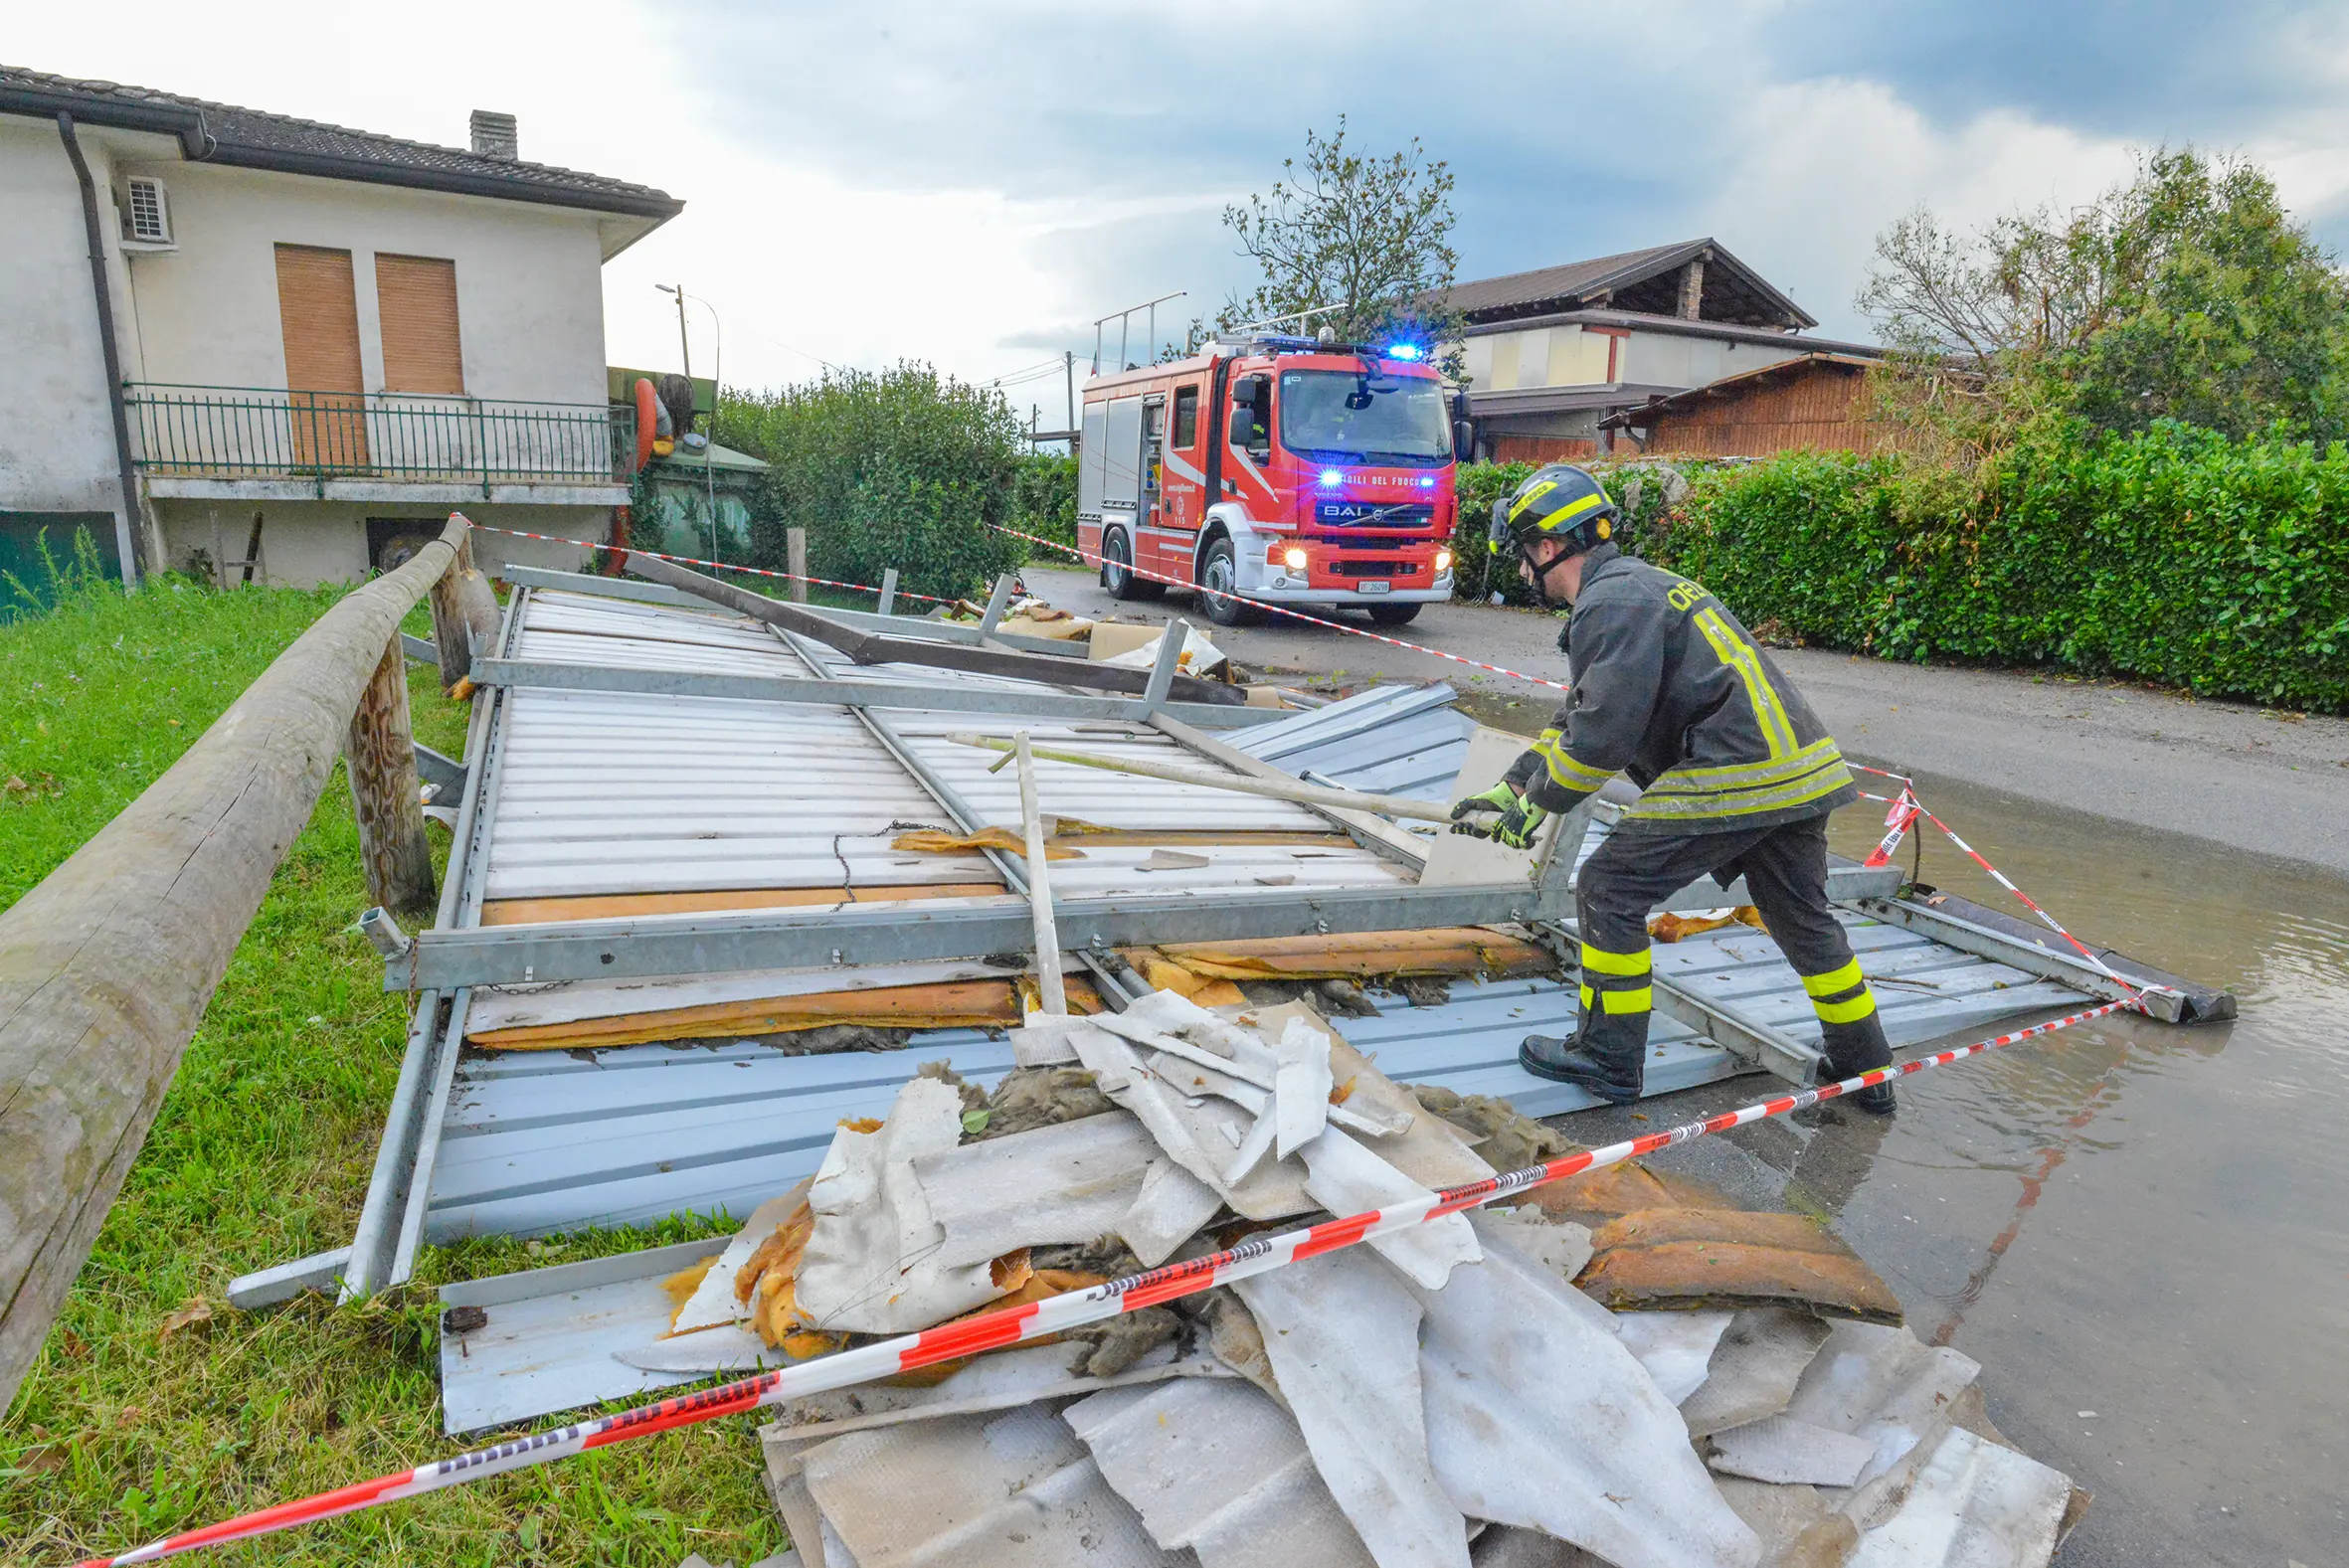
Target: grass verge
154, 1405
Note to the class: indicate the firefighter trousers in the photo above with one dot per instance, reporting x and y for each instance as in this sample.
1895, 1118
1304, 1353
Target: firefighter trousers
1786, 867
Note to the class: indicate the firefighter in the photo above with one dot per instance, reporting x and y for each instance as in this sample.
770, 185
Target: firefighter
1737, 777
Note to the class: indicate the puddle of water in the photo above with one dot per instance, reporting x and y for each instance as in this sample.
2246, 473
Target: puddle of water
2138, 1230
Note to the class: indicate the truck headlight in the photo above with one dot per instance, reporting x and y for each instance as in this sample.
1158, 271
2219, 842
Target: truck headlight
1443, 562
1294, 560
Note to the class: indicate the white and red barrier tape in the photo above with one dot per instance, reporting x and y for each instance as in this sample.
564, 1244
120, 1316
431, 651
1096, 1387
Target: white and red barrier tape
722, 566
1014, 1325
1093, 558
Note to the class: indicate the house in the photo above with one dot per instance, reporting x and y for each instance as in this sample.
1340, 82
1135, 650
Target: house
1813, 401
261, 347
1551, 354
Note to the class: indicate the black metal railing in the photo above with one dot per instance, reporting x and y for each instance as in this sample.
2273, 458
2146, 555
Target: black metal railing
266, 432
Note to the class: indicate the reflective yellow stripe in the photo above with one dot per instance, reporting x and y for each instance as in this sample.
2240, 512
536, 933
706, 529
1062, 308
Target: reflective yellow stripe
1681, 808
1834, 980
1600, 962
1530, 497
1628, 1002
1565, 770
1573, 510
1586, 995
1747, 776
1852, 1011
1733, 652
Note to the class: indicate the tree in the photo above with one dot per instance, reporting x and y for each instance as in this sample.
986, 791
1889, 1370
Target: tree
907, 469
1366, 236
2187, 293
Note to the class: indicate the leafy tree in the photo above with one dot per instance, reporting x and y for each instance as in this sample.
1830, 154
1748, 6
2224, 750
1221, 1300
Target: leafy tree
905, 468
2187, 293
1368, 236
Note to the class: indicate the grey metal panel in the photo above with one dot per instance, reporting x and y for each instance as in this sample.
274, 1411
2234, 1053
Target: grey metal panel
1120, 453
622, 588
1390, 740
552, 1334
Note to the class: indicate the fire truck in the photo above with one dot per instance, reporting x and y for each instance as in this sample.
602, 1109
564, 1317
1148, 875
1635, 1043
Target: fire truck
1274, 470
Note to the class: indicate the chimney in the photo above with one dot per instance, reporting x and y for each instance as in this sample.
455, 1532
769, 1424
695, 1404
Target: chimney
493, 135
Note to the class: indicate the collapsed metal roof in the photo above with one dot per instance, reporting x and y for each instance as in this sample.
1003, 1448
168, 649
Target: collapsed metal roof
666, 806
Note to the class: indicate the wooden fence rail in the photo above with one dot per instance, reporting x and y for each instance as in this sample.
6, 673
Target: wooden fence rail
106, 966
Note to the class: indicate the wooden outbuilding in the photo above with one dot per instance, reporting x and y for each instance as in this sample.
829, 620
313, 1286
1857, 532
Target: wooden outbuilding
1816, 400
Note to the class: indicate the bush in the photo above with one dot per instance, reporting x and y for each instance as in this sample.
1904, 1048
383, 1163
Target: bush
2171, 555
1045, 503
906, 469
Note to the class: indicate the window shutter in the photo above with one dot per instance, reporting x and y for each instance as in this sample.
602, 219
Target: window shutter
318, 313
416, 297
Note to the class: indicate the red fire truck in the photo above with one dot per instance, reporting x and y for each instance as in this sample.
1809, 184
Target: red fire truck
1274, 470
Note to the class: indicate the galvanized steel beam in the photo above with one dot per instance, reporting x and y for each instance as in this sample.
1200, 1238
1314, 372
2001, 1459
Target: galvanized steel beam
610, 949
2017, 954
553, 676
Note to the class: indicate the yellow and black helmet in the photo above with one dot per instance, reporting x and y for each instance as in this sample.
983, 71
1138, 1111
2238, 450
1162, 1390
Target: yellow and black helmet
1557, 501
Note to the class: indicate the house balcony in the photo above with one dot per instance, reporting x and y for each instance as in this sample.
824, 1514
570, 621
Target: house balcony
268, 444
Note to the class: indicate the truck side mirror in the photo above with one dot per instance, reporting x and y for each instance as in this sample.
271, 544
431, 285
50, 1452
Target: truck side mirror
1463, 441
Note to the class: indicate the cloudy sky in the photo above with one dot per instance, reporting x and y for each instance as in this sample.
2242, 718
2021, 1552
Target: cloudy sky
973, 183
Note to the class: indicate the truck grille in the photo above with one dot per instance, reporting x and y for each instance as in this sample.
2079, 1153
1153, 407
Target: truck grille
1374, 569
1372, 514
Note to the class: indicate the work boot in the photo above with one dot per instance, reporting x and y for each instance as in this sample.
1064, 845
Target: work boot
1857, 1047
1612, 1075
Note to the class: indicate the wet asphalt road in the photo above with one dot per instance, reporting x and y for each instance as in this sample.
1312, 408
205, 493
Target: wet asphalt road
2268, 782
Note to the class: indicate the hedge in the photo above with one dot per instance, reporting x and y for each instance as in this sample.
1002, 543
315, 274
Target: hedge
2174, 554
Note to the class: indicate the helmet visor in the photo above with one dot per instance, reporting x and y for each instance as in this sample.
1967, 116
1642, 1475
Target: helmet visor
1498, 537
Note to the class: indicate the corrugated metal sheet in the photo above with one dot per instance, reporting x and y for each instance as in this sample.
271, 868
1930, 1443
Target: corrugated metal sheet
1390, 740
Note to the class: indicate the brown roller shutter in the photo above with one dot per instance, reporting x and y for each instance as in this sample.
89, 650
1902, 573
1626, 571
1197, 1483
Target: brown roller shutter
416, 299
318, 312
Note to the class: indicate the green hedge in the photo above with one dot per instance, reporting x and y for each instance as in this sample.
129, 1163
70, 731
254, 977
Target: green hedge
2174, 554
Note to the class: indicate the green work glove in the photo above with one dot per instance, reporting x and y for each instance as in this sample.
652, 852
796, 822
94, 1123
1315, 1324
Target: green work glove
1498, 799
1519, 824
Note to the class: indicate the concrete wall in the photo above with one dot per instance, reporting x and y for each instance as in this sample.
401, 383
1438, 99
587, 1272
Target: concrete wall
529, 287
57, 437
305, 542
1663, 359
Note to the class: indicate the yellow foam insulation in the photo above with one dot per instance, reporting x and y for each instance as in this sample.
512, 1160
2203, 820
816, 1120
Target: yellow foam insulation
1668, 926
939, 1005
1034, 1284
1164, 975
613, 906
1451, 949
936, 841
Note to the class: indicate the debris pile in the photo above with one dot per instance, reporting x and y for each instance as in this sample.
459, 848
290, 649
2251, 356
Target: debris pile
1626, 1371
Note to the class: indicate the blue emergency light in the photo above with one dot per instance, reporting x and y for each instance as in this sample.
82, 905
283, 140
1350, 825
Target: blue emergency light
1331, 476
1405, 351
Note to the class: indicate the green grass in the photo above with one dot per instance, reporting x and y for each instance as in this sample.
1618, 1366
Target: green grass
260, 1154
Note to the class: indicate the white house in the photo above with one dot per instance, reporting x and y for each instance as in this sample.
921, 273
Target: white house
321, 340
1552, 352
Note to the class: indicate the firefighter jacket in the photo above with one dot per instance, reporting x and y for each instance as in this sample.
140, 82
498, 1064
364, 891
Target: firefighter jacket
1671, 691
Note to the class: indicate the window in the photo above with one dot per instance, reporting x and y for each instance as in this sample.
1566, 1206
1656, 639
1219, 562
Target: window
1334, 416
318, 313
416, 299
150, 213
1187, 416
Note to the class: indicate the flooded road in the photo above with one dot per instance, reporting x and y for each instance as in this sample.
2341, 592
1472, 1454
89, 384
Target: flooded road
2141, 1231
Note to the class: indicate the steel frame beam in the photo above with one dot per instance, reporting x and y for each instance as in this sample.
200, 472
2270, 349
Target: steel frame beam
2015, 952
869, 934
852, 619
852, 693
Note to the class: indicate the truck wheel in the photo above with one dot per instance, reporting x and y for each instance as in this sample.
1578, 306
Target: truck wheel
1117, 568
1393, 615
1219, 575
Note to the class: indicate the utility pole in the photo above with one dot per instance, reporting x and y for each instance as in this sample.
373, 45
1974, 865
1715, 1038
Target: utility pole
1068, 364
684, 344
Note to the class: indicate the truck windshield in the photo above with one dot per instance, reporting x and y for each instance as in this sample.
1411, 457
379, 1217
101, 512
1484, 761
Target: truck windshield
1399, 422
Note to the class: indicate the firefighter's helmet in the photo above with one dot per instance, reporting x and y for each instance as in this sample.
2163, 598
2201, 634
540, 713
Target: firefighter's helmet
1557, 501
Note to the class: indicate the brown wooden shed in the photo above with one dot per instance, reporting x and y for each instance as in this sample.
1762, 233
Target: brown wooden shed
1814, 401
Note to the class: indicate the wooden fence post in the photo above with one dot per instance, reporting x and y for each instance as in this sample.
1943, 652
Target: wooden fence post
464, 616
105, 967
795, 543
385, 794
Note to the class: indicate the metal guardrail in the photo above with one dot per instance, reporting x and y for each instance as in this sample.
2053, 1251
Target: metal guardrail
244, 432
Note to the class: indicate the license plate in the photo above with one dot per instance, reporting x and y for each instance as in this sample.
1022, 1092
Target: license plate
1372, 587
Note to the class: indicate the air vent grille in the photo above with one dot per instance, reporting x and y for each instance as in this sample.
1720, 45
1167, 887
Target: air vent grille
150, 213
